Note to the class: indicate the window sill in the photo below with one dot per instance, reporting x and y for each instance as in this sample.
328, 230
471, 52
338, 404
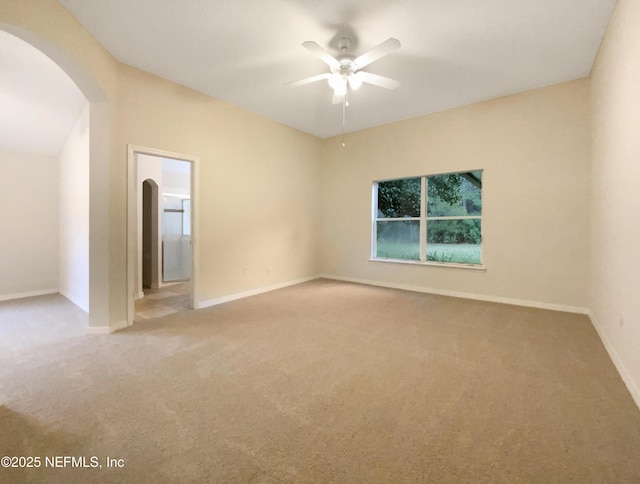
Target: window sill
452, 265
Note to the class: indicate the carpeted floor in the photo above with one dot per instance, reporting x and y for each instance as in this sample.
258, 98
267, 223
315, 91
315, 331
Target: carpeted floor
325, 382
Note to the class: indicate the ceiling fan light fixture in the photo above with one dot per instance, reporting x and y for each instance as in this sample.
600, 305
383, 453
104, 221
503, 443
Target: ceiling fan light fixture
341, 87
355, 81
335, 80
344, 73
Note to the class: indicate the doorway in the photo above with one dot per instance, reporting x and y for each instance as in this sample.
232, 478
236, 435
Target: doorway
162, 229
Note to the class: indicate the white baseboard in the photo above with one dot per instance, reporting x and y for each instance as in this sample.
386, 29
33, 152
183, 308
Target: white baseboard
118, 326
252, 292
76, 303
628, 380
464, 295
108, 329
20, 295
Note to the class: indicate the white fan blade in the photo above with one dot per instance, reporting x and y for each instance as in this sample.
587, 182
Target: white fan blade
378, 51
377, 80
337, 99
302, 82
322, 54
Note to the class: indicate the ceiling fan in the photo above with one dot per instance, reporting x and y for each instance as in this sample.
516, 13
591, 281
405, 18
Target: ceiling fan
346, 71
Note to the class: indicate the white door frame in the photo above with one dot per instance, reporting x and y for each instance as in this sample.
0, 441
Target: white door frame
132, 221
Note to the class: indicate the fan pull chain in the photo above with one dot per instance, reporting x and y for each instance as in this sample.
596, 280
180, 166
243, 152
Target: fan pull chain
344, 111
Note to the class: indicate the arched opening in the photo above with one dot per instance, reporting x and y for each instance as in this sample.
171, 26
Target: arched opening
96, 184
44, 161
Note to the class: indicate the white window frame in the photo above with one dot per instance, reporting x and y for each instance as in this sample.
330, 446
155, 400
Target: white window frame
423, 218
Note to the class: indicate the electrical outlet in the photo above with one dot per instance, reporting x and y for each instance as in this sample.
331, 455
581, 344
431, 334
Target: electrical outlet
621, 320
268, 269
246, 270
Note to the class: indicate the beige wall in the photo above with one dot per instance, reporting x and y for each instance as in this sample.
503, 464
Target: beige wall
615, 235
258, 200
29, 217
535, 152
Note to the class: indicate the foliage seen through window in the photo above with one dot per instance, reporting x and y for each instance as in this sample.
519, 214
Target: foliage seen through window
432, 218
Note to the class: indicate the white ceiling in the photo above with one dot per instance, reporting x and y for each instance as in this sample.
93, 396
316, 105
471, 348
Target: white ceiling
454, 52
39, 102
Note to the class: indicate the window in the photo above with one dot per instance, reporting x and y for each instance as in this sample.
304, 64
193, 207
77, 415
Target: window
435, 218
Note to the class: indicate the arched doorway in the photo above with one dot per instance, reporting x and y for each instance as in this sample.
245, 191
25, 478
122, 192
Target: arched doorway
101, 312
44, 162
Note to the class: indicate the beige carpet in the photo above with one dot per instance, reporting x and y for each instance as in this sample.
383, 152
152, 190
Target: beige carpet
326, 382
